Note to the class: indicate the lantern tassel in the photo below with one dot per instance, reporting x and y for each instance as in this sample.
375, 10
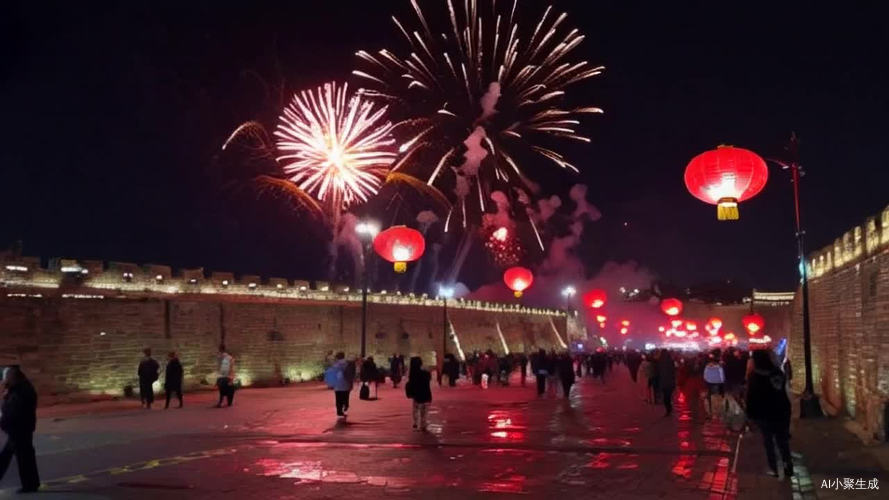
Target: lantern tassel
400, 267
517, 293
727, 209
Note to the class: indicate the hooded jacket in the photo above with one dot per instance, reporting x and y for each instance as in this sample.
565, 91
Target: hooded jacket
767, 397
19, 409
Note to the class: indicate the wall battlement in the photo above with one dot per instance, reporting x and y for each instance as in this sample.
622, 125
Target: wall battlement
69, 278
860, 242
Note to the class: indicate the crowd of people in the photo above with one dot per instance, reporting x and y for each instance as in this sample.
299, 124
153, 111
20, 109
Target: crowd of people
730, 383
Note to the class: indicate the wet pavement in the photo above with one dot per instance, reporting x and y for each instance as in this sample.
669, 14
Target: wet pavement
287, 443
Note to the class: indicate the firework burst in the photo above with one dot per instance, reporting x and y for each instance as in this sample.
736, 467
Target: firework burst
503, 246
482, 82
335, 145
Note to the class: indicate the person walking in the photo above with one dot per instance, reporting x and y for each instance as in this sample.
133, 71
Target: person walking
600, 363
340, 378
369, 374
769, 407
173, 379
646, 372
18, 419
714, 377
396, 369
666, 375
540, 367
565, 368
418, 389
523, 366
225, 379
148, 373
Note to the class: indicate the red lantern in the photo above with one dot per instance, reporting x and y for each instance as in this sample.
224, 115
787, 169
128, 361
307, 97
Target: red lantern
713, 326
671, 307
595, 298
518, 279
400, 245
753, 323
725, 177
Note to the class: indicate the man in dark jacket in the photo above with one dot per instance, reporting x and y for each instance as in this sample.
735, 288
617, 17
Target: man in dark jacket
19, 420
666, 373
173, 379
566, 373
148, 369
769, 406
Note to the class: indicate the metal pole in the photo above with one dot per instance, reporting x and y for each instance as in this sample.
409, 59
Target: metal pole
364, 308
444, 337
809, 404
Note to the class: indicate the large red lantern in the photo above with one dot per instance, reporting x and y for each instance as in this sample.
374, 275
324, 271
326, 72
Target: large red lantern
595, 298
400, 245
725, 177
518, 279
753, 323
713, 326
671, 307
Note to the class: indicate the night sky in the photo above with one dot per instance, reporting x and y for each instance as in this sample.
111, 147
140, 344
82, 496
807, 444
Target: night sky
114, 114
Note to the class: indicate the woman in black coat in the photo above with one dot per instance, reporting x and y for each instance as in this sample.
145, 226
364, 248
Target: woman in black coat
19, 421
173, 379
769, 406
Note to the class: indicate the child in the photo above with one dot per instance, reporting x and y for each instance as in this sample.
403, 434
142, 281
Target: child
417, 388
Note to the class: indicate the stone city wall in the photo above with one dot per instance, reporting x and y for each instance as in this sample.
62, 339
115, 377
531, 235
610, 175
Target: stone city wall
83, 332
849, 311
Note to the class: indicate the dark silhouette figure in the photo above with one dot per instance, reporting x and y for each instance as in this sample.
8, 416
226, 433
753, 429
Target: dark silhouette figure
540, 367
666, 376
565, 367
19, 420
418, 389
396, 369
369, 374
173, 379
769, 406
147, 372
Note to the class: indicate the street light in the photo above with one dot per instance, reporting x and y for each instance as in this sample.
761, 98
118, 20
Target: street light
445, 292
809, 404
568, 293
367, 231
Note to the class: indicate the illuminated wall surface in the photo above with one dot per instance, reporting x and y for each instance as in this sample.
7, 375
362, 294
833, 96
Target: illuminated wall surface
849, 304
76, 331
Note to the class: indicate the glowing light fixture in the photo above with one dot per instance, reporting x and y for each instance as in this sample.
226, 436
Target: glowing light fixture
400, 245
725, 177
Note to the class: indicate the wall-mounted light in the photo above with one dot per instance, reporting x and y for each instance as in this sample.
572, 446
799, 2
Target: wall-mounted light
251, 286
127, 276
279, 286
193, 281
17, 268
159, 277
224, 282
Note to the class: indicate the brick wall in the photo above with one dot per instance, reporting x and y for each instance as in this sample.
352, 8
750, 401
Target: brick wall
849, 312
72, 343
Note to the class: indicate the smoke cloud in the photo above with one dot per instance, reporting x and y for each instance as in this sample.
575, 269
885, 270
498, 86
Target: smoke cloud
489, 100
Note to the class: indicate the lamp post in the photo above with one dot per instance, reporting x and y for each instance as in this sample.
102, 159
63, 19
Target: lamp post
809, 404
445, 292
568, 293
367, 231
